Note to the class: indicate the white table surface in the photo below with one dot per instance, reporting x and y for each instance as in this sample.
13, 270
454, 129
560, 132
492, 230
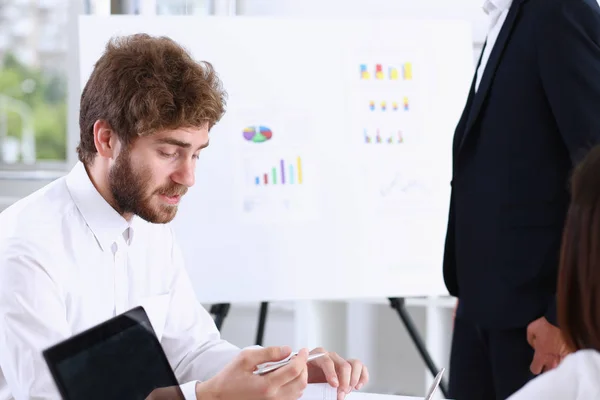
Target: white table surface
373, 396
322, 391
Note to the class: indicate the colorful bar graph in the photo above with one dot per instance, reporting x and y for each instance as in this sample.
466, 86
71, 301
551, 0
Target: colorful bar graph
376, 136
384, 71
286, 178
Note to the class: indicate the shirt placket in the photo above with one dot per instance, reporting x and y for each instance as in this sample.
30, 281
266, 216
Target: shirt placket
121, 283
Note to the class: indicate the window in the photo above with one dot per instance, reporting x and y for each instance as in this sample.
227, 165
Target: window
182, 7
33, 85
33, 73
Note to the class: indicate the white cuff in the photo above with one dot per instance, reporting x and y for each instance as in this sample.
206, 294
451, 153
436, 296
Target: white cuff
189, 390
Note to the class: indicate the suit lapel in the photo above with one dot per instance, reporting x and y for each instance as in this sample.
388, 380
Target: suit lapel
490, 68
459, 132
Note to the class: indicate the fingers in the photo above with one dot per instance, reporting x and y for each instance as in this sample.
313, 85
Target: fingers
537, 364
543, 362
286, 374
318, 350
355, 374
327, 365
535, 329
295, 388
345, 375
344, 371
250, 358
364, 378
531, 335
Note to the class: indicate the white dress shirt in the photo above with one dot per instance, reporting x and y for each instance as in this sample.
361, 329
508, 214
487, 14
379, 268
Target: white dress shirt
576, 378
69, 261
497, 10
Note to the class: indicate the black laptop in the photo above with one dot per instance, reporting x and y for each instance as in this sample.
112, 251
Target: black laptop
120, 359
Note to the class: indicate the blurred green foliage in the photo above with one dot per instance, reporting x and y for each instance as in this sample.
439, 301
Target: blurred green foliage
46, 95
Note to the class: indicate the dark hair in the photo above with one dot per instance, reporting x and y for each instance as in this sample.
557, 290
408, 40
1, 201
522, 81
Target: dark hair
143, 84
579, 274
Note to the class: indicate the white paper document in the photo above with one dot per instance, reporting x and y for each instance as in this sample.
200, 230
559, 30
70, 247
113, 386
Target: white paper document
319, 391
323, 391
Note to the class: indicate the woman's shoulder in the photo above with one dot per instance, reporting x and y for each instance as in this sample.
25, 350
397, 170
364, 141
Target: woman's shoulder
585, 364
575, 378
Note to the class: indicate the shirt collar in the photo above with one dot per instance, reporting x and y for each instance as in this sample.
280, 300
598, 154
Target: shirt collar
489, 6
106, 224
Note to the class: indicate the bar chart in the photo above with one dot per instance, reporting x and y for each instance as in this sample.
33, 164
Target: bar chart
381, 136
394, 72
281, 173
389, 105
277, 186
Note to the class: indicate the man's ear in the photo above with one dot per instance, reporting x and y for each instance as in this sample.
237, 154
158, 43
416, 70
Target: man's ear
105, 139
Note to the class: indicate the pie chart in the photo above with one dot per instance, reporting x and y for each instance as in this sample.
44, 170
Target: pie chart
257, 134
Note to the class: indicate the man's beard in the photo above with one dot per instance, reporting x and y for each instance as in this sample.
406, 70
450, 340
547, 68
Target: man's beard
131, 191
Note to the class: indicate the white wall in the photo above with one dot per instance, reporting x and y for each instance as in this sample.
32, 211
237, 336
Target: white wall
470, 10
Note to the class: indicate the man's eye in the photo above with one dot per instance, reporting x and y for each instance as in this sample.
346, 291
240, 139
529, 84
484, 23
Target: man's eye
167, 155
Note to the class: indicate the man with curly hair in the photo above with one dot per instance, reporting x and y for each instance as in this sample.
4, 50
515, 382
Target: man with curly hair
97, 242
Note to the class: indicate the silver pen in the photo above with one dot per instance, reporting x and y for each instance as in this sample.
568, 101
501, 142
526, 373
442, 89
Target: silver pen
273, 365
434, 385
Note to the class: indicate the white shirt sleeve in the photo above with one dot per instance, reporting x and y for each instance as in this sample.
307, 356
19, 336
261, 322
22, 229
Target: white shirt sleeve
190, 339
32, 318
189, 390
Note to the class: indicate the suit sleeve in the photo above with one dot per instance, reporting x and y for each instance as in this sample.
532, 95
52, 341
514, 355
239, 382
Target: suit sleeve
449, 261
568, 51
550, 314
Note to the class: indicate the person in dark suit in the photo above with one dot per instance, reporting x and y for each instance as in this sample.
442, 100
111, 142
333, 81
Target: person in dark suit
533, 111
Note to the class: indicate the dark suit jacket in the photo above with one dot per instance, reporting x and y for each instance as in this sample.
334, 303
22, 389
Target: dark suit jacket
536, 112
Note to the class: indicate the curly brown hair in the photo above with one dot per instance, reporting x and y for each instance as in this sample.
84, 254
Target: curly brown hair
143, 84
